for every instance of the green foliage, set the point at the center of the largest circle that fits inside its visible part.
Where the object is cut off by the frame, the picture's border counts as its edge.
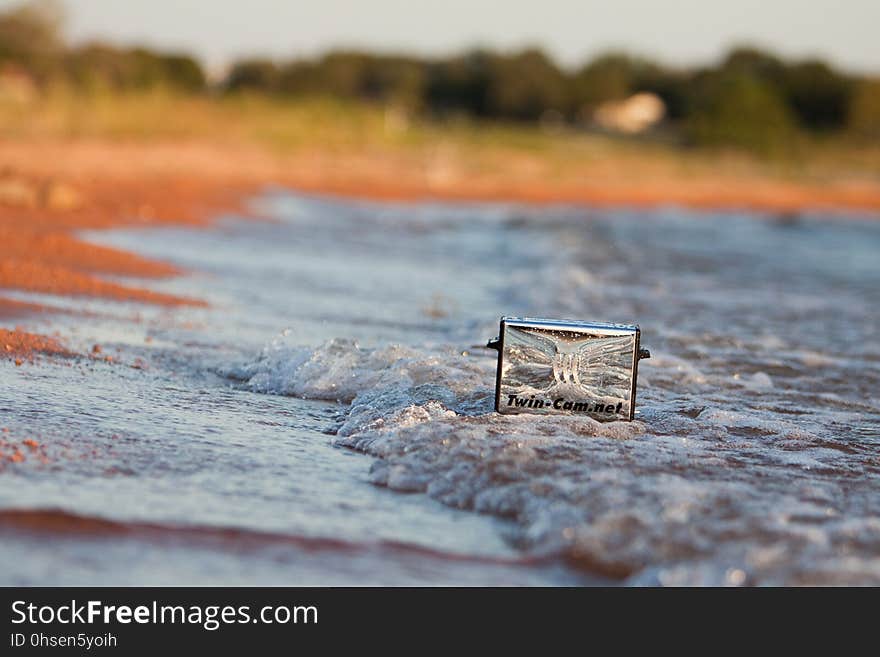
(672, 86)
(182, 72)
(98, 66)
(608, 77)
(31, 37)
(818, 95)
(615, 75)
(460, 84)
(253, 75)
(864, 117)
(752, 99)
(736, 109)
(524, 86)
(754, 63)
(349, 74)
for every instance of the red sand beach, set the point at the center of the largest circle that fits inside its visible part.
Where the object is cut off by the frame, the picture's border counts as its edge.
(48, 189)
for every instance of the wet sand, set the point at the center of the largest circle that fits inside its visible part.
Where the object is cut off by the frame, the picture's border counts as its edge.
(50, 189)
(47, 195)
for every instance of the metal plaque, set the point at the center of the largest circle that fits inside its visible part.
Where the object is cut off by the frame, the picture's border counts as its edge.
(569, 367)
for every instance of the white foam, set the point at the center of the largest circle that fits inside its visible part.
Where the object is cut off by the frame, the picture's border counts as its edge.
(734, 472)
(611, 495)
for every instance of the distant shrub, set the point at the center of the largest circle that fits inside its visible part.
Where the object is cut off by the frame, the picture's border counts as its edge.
(616, 76)
(253, 75)
(460, 84)
(673, 88)
(524, 86)
(818, 95)
(864, 115)
(521, 86)
(756, 63)
(182, 72)
(740, 110)
(611, 76)
(343, 74)
(31, 37)
(101, 66)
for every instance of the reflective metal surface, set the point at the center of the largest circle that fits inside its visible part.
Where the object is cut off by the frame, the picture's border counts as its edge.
(567, 367)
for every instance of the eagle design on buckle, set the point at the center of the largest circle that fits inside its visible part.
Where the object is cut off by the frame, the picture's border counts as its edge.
(568, 367)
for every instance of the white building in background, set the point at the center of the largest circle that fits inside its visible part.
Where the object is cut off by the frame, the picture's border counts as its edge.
(632, 115)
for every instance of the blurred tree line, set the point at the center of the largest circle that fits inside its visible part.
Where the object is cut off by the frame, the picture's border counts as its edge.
(32, 43)
(751, 99)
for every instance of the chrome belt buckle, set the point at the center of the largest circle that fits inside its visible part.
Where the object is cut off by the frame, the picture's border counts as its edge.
(567, 367)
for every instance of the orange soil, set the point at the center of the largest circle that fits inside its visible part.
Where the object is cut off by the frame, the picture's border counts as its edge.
(178, 181)
(47, 191)
(38, 253)
(773, 197)
(50, 188)
(19, 344)
(35, 276)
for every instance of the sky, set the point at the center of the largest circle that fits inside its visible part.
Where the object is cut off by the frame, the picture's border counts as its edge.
(680, 32)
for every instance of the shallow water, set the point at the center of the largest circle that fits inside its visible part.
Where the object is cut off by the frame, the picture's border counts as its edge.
(329, 418)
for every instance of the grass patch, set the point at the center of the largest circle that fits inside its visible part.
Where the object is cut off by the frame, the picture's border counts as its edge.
(338, 126)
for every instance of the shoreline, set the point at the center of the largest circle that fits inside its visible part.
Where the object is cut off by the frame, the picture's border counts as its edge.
(51, 188)
(772, 199)
(198, 172)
